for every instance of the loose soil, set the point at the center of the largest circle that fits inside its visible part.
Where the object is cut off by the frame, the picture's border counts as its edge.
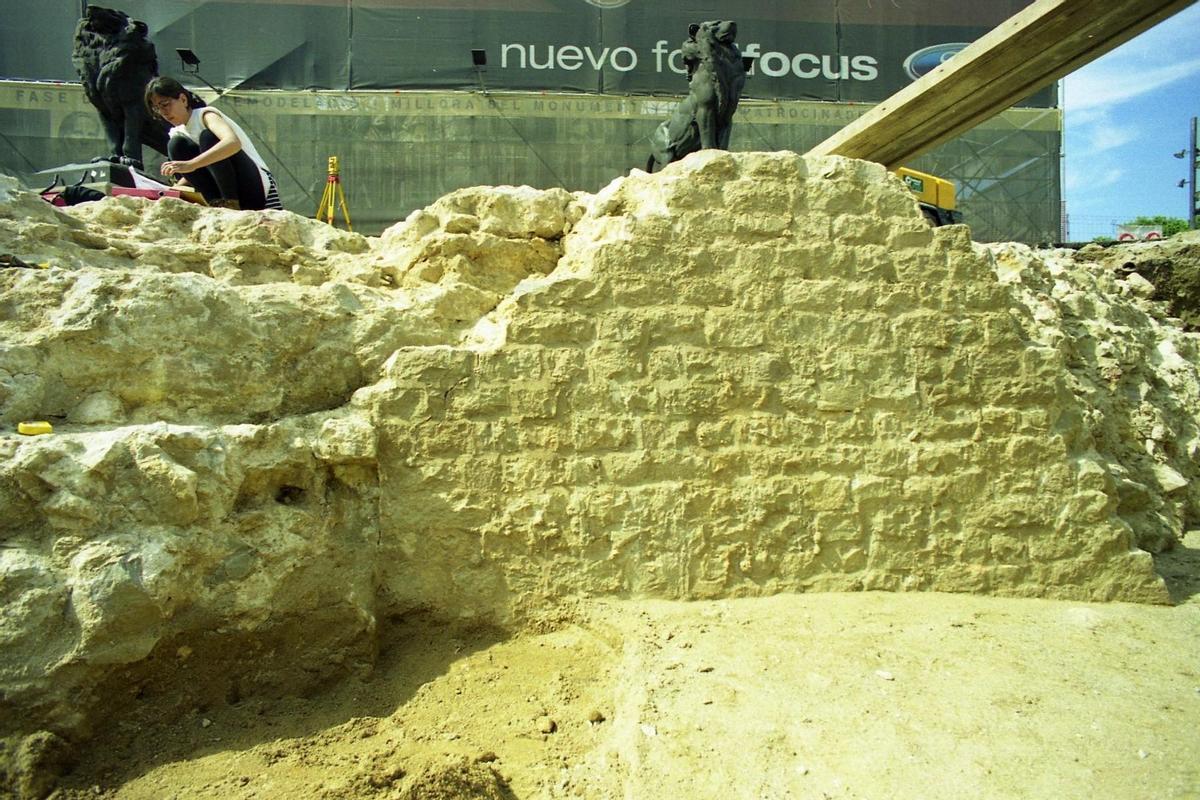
(1173, 266)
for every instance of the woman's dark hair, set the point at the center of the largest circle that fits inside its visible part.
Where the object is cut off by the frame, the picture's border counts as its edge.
(162, 86)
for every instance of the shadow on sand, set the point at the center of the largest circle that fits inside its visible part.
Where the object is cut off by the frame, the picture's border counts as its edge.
(172, 718)
(1180, 569)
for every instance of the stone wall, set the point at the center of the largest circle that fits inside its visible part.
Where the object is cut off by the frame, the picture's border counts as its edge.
(749, 375)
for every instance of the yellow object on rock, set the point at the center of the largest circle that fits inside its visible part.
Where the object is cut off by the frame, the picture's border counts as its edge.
(34, 428)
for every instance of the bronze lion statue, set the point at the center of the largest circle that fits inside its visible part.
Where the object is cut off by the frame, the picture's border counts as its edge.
(115, 60)
(704, 118)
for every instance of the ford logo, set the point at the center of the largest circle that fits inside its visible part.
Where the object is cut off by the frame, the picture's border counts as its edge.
(926, 59)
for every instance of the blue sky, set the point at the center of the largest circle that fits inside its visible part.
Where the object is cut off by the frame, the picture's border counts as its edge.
(1124, 116)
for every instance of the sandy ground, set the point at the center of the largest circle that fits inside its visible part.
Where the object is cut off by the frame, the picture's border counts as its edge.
(811, 696)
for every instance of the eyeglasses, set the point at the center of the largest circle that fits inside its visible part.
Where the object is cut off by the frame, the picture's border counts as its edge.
(159, 108)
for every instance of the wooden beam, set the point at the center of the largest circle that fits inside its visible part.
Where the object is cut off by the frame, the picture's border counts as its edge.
(1038, 45)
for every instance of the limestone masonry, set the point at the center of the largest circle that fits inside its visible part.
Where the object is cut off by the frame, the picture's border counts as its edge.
(748, 374)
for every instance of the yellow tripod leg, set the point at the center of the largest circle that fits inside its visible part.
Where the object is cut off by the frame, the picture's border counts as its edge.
(345, 208)
(325, 207)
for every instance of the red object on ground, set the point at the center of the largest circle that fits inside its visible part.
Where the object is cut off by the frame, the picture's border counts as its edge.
(149, 194)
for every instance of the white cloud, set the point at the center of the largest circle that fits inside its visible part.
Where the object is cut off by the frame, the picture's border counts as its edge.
(1138, 67)
(1176, 34)
(1102, 134)
(1109, 177)
(1085, 181)
(1106, 84)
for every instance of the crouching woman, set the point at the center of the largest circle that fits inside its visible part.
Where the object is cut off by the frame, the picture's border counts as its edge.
(211, 150)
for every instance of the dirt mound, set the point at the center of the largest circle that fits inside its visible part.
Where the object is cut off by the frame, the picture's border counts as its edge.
(1172, 266)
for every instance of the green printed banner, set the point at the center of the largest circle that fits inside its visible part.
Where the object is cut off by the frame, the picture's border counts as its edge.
(844, 50)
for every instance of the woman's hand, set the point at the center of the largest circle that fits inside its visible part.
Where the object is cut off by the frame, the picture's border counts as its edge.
(226, 146)
(177, 167)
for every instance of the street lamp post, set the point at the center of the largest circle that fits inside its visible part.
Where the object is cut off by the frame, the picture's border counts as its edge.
(1193, 161)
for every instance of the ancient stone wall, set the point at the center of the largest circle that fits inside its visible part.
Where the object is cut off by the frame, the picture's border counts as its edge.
(753, 375)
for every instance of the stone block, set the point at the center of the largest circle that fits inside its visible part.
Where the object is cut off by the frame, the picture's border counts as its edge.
(552, 329)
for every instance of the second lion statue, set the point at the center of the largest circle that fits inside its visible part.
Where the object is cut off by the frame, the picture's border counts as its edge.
(704, 118)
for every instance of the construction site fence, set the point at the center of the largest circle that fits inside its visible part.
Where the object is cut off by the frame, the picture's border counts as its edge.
(401, 150)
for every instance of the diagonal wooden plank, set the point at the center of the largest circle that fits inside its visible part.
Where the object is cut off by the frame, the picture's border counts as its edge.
(1038, 45)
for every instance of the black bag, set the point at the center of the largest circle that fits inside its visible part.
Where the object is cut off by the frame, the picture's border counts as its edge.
(74, 195)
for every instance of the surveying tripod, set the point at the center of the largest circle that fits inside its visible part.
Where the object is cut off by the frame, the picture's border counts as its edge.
(333, 195)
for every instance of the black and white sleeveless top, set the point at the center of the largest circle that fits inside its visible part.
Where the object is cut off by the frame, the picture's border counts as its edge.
(195, 124)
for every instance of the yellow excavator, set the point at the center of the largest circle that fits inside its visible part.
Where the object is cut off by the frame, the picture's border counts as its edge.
(934, 195)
